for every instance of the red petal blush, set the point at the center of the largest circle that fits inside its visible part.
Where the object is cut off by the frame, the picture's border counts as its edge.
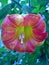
(32, 26)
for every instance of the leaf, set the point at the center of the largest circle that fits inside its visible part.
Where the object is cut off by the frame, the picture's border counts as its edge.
(48, 11)
(34, 2)
(42, 9)
(1, 22)
(25, 59)
(2, 49)
(4, 2)
(23, 2)
(43, 2)
(36, 10)
(6, 10)
(16, 10)
(26, 1)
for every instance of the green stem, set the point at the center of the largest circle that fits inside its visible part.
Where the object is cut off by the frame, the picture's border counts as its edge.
(46, 52)
(30, 7)
(29, 2)
(46, 60)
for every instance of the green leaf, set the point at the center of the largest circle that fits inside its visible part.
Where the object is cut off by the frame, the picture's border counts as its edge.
(23, 2)
(26, 1)
(34, 3)
(43, 2)
(2, 49)
(4, 2)
(48, 11)
(16, 11)
(6, 10)
(1, 22)
(17, 0)
(36, 10)
(42, 9)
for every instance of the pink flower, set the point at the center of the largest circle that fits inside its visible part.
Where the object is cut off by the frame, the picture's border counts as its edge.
(23, 33)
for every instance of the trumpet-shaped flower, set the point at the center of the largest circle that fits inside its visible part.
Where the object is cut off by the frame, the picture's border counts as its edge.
(23, 33)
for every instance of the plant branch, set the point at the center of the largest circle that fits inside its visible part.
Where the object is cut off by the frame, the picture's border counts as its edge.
(29, 3)
(17, 3)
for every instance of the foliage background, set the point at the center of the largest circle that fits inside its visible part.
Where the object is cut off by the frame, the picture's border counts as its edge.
(41, 54)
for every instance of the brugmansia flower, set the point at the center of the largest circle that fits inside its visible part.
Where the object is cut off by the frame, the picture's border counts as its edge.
(23, 33)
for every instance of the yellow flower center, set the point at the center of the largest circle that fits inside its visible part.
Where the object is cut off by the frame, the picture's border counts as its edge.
(24, 33)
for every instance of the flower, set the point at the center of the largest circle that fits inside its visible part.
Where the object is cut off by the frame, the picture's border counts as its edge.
(23, 33)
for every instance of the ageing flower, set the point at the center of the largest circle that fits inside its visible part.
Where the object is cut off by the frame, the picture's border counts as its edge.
(23, 33)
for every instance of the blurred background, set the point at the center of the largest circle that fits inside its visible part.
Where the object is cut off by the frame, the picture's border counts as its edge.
(41, 54)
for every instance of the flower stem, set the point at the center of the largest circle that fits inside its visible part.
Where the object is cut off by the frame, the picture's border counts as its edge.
(17, 3)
